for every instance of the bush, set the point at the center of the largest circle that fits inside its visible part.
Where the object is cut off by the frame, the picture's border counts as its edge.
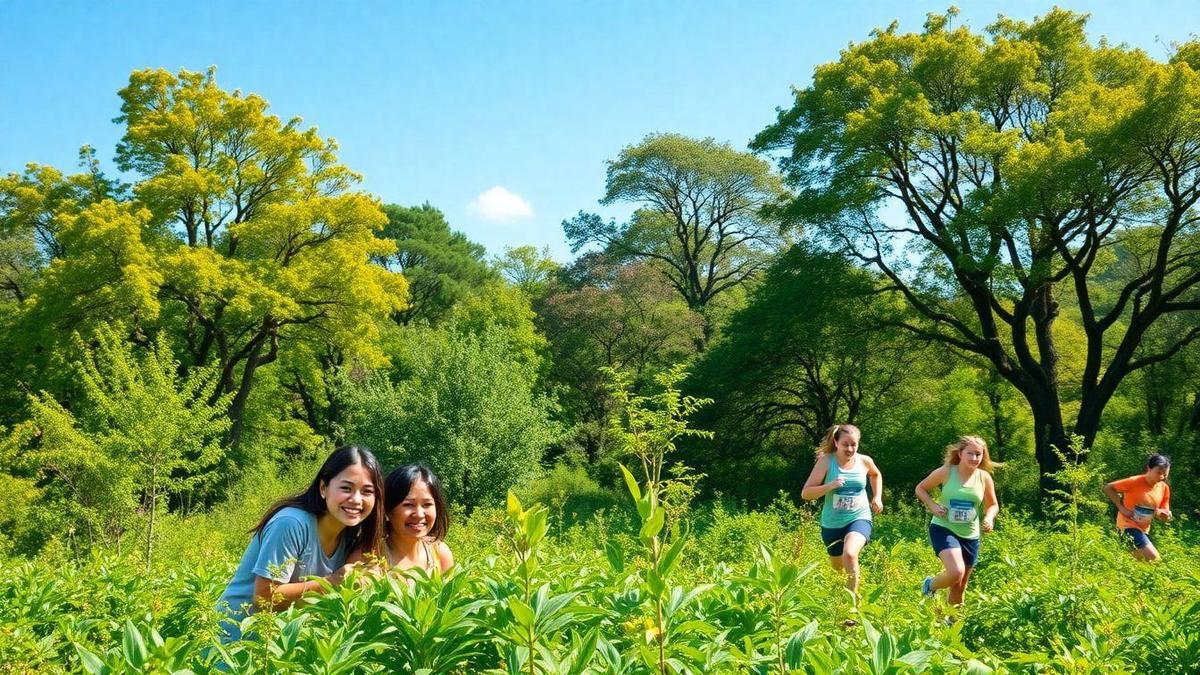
(570, 493)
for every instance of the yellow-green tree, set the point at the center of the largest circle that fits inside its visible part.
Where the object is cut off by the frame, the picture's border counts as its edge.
(244, 235)
(1023, 171)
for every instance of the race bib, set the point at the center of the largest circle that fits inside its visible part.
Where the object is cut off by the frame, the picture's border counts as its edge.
(1143, 514)
(961, 511)
(848, 502)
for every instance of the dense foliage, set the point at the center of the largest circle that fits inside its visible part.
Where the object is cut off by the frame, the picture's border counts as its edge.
(750, 590)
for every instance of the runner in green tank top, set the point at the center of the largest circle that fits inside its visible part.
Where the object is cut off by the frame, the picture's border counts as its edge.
(841, 476)
(966, 506)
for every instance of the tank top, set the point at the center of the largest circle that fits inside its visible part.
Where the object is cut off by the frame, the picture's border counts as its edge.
(962, 502)
(430, 561)
(848, 503)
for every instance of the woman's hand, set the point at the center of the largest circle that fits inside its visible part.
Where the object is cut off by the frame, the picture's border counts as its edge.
(988, 524)
(939, 510)
(876, 505)
(339, 575)
(1163, 514)
(835, 483)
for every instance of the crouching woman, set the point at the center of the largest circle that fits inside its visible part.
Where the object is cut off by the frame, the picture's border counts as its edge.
(308, 535)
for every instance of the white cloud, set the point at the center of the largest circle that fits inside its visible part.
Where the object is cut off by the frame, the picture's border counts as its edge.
(500, 205)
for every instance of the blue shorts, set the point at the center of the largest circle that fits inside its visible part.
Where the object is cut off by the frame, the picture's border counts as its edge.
(1136, 537)
(942, 539)
(835, 537)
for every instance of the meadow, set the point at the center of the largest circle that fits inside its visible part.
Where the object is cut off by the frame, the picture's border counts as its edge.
(549, 590)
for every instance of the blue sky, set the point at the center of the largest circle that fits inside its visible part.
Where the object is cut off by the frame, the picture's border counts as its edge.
(444, 101)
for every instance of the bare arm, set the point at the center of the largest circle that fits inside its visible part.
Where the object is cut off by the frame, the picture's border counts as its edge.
(934, 479)
(813, 488)
(875, 478)
(276, 595)
(1164, 507)
(1110, 491)
(271, 593)
(991, 505)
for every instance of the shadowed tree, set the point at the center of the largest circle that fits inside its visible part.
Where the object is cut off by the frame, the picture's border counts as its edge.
(625, 317)
(803, 355)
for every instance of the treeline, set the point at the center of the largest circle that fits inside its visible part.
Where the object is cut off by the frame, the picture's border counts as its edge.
(948, 232)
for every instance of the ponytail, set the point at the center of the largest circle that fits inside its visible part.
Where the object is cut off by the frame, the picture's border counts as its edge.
(829, 444)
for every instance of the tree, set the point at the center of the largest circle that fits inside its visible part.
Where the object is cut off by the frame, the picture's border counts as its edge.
(1019, 169)
(139, 435)
(623, 317)
(442, 266)
(463, 405)
(528, 269)
(32, 205)
(443, 269)
(36, 206)
(698, 216)
(244, 234)
(802, 355)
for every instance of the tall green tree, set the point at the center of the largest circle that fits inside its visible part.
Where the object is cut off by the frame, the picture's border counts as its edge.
(442, 266)
(991, 177)
(624, 317)
(459, 401)
(699, 206)
(528, 269)
(803, 354)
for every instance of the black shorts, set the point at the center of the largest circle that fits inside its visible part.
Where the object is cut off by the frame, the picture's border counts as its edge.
(1136, 537)
(942, 539)
(835, 537)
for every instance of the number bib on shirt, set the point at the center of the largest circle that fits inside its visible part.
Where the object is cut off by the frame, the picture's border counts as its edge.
(961, 511)
(1143, 514)
(852, 501)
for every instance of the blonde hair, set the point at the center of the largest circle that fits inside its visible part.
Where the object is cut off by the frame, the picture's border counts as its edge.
(829, 444)
(954, 452)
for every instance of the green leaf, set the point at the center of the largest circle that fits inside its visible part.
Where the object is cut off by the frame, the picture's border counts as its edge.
(794, 653)
(585, 652)
(615, 554)
(90, 661)
(514, 507)
(536, 525)
(652, 526)
(133, 646)
(632, 484)
(672, 555)
(919, 659)
(976, 667)
(522, 612)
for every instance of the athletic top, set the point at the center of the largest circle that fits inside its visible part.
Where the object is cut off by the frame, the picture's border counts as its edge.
(848, 503)
(1139, 497)
(962, 502)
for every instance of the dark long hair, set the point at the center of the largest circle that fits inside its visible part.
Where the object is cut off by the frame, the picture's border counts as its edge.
(400, 481)
(367, 534)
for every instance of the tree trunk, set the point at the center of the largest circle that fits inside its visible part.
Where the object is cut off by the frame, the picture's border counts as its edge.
(153, 512)
(1049, 434)
(237, 408)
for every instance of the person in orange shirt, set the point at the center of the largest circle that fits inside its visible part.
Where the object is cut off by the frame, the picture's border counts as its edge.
(1140, 499)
